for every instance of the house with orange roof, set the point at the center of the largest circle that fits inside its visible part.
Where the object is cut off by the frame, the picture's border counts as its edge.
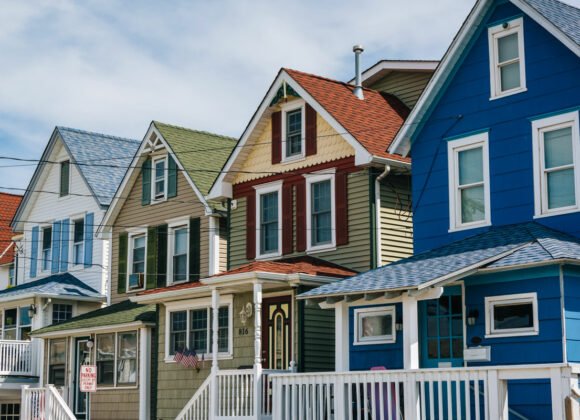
(8, 205)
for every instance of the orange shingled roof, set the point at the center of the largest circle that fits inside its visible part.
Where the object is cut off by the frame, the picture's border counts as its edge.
(8, 205)
(373, 121)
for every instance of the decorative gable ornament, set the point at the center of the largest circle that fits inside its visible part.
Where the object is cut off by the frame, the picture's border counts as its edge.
(283, 93)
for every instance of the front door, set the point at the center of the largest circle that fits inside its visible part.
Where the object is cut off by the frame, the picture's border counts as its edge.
(441, 327)
(82, 357)
(277, 332)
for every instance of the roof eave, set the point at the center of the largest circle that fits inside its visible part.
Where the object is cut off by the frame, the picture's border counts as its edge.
(92, 330)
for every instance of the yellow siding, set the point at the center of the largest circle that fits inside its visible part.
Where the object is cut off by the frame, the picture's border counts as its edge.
(115, 404)
(396, 219)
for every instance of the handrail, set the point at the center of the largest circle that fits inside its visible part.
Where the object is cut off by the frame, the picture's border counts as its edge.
(57, 408)
(197, 408)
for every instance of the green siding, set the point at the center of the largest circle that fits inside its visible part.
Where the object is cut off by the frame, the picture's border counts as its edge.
(407, 86)
(396, 218)
(318, 339)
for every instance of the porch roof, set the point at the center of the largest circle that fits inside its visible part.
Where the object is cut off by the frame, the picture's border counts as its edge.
(499, 247)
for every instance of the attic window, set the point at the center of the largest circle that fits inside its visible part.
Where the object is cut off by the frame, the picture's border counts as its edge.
(506, 58)
(159, 184)
(64, 178)
(293, 131)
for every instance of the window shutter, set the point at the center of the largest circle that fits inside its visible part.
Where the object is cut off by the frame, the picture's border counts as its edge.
(64, 241)
(34, 252)
(301, 216)
(122, 264)
(89, 232)
(251, 225)
(276, 137)
(151, 274)
(310, 131)
(55, 251)
(287, 216)
(146, 181)
(161, 256)
(341, 185)
(171, 177)
(194, 249)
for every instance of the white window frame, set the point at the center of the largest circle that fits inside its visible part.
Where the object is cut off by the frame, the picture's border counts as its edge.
(287, 108)
(72, 236)
(494, 34)
(41, 249)
(453, 149)
(522, 298)
(116, 360)
(203, 303)
(153, 179)
(18, 322)
(539, 127)
(261, 190)
(361, 313)
(131, 236)
(172, 226)
(314, 178)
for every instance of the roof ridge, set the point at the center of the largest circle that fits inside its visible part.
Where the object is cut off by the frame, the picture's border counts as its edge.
(345, 84)
(94, 133)
(196, 131)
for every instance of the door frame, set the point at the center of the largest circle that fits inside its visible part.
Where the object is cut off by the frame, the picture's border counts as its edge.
(75, 377)
(285, 296)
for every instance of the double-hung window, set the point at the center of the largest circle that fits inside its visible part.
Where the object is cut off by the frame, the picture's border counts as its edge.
(506, 56)
(556, 157)
(511, 315)
(178, 253)
(320, 222)
(64, 178)
(293, 131)
(11, 275)
(17, 324)
(56, 362)
(137, 263)
(46, 247)
(117, 358)
(159, 184)
(468, 166)
(78, 241)
(268, 209)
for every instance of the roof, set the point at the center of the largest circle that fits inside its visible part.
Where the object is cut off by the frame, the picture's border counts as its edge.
(562, 15)
(8, 205)
(63, 285)
(202, 154)
(120, 313)
(506, 246)
(383, 68)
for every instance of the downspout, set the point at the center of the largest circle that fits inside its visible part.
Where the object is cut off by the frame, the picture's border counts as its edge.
(378, 180)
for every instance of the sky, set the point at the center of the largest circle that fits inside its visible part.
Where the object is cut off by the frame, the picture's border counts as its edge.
(113, 66)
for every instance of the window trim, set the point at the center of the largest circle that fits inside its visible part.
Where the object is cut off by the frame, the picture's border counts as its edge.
(261, 190)
(360, 313)
(154, 160)
(171, 227)
(115, 385)
(72, 236)
(492, 301)
(494, 34)
(131, 236)
(540, 126)
(18, 325)
(71, 304)
(287, 108)
(453, 148)
(60, 194)
(48, 364)
(315, 178)
(41, 249)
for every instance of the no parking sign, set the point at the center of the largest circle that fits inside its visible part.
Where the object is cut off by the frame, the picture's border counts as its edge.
(88, 378)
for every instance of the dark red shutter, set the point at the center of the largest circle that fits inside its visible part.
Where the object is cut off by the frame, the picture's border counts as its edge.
(341, 208)
(287, 246)
(301, 216)
(277, 137)
(310, 131)
(251, 225)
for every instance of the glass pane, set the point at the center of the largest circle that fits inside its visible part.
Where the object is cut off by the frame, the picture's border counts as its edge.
(159, 169)
(470, 166)
(177, 331)
(25, 333)
(432, 350)
(444, 305)
(432, 327)
(376, 325)
(180, 268)
(507, 47)
(199, 330)
(445, 350)
(432, 307)
(10, 334)
(79, 230)
(321, 228)
(457, 326)
(127, 358)
(513, 316)
(510, 76)
(321, 196)
(294, 132)
(46, 238)
(269, 206)
(128, 345)
(181, 241)
(457, 348)
(456, 305)
(105, 347)
(24, 318)
(472, 204)
(78, 252)
(139, 242)
(57, 352)
(223, 332)
(10, 317)
(444, 327)
(558, 148)
(561, 189)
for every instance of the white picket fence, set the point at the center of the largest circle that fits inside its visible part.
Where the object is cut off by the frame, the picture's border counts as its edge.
(44, 404)
(16, 358)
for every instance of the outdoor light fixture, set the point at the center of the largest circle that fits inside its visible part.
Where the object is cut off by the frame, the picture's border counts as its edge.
(246, 313)
(31, 310)
(472, 317)
(90, 343)
(399, 325)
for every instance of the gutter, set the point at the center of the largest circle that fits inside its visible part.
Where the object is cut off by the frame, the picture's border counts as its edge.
(46, 295)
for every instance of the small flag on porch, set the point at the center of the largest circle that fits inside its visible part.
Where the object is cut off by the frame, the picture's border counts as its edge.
(190, 359)
(178, 356)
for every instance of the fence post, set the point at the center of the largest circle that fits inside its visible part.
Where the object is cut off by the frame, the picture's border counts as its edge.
(498, 396)
(339, 402)
(24, 403)
(411, 398)
(561, 385)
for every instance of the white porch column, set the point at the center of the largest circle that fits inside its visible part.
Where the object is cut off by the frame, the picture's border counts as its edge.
(257, 350)
(144, 372)
(214, 398)
(342, 363)
(410, 333)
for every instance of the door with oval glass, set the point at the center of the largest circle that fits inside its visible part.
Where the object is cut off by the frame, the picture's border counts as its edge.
(277, 332)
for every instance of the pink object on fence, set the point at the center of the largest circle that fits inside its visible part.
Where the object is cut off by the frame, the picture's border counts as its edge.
(385, 408)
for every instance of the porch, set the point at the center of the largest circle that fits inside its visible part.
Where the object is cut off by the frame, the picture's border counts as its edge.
(17, 358)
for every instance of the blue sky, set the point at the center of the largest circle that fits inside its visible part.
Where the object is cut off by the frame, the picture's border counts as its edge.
(113, 66)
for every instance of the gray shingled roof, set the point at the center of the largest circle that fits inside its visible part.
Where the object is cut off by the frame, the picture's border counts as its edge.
(562, 15)
(63, 285)
(102, 159)
(499, 247)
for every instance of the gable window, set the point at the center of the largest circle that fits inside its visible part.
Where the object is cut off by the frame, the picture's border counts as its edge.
(117, 358)
(61, 312)
(178, 253)
(159, 184)
(374, 325)
(46, 247)
(320, 201)
(56, 362)
(556, 176)
(79, 240)
(506, 56)
(468, 166)
(11, 275)
(64, 178)
(137, 261)
(293, 131)
(511, 315)
(269, 216)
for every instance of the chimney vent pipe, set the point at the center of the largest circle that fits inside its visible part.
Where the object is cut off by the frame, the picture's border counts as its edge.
(358, 90)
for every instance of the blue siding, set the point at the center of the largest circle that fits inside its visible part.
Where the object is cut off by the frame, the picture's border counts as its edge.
(551, 88)
(367, 356)
(572, 312)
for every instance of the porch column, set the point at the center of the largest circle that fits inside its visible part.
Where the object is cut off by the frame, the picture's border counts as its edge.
(342, 363)
(410, 333)
(257, 349)
(214, 398)
(144, 373)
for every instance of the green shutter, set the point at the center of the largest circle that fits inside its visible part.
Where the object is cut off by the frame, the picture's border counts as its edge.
(151, 275)
(146, 179)
(194, 249)
(161, 256)
(171, 177)
(122, 274)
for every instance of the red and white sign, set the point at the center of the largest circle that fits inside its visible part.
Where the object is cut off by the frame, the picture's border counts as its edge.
(88, 378)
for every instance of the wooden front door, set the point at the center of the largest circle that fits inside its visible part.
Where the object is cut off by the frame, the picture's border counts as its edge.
(277, 332)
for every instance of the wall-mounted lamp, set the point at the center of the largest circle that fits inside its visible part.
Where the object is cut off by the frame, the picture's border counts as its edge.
(472, 317)
(31, 310)
(90, 343)
(246, 313)
(399, 325)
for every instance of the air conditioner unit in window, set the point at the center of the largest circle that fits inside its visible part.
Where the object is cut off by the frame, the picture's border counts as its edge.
(136, 281)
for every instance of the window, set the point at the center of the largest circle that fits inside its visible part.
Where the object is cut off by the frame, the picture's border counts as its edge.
(320, 222)
(127, 358)
(506, 57)
(56, 362)
(137, 263)
(269, 215)
(17, 325)
(374, 325)
(9, 411)
(293, 131)
(11, 275)
(24, 323)
(105, 359)
(511, 315)
(556, 177)
(198, 333)
(178, 254)
(61, 312)
(78, 238)
(46, 247)
(178, 332)
(117, 358)
(64, 178)
(468, 182)
(159, 184)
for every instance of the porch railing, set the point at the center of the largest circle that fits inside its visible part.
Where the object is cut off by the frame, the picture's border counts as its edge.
(44, 404)
(17, 358)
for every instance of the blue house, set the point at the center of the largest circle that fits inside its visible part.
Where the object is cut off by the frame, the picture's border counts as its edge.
(485, 317)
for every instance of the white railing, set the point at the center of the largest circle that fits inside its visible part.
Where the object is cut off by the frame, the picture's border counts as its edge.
(44, 404)
(16, 358)
(197, 407)
(267, 392)
(235, 393)
(462, 393)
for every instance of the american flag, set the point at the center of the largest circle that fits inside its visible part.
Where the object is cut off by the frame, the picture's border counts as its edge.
(190, 359)
(178, 357)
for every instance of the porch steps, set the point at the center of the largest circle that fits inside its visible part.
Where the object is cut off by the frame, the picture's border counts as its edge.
(197, 408)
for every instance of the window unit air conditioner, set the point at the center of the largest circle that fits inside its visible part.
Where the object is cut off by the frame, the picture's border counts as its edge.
(136, 281)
